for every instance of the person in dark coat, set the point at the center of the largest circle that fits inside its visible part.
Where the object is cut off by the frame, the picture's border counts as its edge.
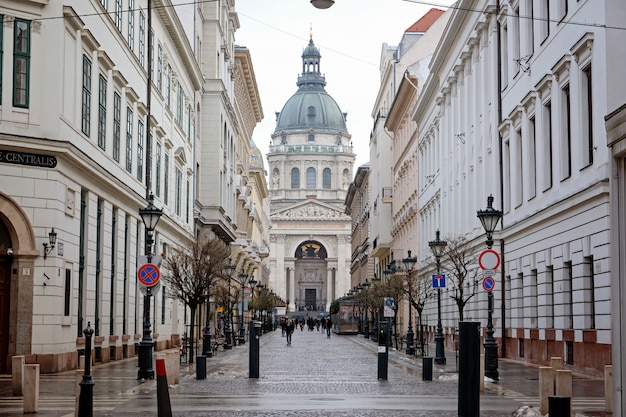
(289, 328)
(329, 326)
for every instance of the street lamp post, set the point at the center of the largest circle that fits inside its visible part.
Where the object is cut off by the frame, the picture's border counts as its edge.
(150, 217)
(252, 283)
(409, 263)
(206, 337)
(366, 330)
(438, 246)
(489, 219)
(242, 331)
(228, 328)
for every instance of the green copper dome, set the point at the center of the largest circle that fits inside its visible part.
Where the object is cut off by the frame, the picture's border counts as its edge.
(311, 107)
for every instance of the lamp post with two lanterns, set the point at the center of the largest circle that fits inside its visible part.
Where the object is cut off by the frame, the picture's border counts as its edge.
(438, 246)
(489, 219)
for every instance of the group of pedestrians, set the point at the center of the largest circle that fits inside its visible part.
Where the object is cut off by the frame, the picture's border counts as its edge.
(289, 325)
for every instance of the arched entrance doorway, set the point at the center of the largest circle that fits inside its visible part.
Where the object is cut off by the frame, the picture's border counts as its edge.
(6, 252)
(311, 276)
(17, 255)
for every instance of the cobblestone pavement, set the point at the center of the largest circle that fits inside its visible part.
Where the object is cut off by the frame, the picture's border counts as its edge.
(314, 376)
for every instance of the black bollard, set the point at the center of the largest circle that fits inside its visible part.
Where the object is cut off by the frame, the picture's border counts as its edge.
(200, 367)
(427, 368)
(383, 351)
(164, 407)
(559, 406)
(253, 364)
(469, 369)
(85, 399)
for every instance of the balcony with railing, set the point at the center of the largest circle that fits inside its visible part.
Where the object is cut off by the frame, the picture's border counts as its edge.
(310, 149)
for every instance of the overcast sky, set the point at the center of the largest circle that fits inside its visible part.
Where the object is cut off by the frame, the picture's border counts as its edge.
(349, 36)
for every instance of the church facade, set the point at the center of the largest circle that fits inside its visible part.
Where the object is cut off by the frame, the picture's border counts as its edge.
(310, 162)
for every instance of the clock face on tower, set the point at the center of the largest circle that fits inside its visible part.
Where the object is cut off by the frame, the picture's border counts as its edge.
(311, 250)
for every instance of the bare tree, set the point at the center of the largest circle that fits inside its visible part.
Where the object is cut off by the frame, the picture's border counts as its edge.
(418, 289)
(191, 273)
(459, 256)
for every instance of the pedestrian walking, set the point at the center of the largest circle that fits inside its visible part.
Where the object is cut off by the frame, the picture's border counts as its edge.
(329, 325)
(289, 328)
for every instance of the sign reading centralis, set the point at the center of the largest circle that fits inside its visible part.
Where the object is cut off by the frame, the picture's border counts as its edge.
(30, 159)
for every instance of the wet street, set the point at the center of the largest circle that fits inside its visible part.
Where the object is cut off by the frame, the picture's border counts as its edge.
(314, 376)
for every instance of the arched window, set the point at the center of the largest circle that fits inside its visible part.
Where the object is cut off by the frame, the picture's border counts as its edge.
(326, 179)
(295, 178)
(310, 178)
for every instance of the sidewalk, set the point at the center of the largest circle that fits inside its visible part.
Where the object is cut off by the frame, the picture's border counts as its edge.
(116, 384)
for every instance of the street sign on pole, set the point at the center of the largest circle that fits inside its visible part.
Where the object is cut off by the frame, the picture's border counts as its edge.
(489, 259)
(148, 275)
(389, 307)
(489, 283)
(439, 280)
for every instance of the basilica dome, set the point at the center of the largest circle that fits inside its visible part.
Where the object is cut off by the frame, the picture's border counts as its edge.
(311, 107)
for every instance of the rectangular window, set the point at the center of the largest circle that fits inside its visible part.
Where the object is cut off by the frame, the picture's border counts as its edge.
(550, 297)
(118, 14)
(506, 160)
(532, 159)
(157, 179)
(160, 68)
(151, 54)
(504, 51)
(131, 24)
(568, 296)
(519, 169)
(189, 123)
(117, 126)
(587, 116)
(67, 296)
(140, 133)
(563, 8)
(102, 111)
(187, 201)
(179, 105)
(168, 86)
(86, 114)
(142, 39)
(590, 290)
(1, 51)
(516, 38)
(129, 139)
(547, 146)
(179, 189)
(21, 63)
(166, 179)
(566, 132)
(545, 18)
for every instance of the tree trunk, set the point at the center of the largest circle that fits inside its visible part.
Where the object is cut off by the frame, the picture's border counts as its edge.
(192, 333)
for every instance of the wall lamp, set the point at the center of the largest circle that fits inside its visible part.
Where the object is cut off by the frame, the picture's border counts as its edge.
(322, 4)
(47, 247)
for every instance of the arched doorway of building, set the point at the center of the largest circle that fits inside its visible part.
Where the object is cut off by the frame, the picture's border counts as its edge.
(6, 252)
(311, 277)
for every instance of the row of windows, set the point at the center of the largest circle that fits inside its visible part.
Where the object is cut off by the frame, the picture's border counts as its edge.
(134, 138)
(558, 132)
(161, 67)
(311, 178)
(21, 61)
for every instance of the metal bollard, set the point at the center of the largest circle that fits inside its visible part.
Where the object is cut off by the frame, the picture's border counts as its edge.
(200, 367)
(253, 361)
(85, 399)
(427, 368)
(559, 406)
(469, 369)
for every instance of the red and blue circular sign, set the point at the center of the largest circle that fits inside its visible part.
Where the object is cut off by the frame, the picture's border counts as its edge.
(148, 275)
(489, 283)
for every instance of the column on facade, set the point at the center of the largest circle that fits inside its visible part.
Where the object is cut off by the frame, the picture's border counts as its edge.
(329, 287)
(291, 272)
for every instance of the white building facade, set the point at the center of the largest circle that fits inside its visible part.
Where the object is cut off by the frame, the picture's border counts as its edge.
(74, 159)
(513, 109)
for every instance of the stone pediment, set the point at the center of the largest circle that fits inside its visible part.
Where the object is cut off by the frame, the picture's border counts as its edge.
(310, 211)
